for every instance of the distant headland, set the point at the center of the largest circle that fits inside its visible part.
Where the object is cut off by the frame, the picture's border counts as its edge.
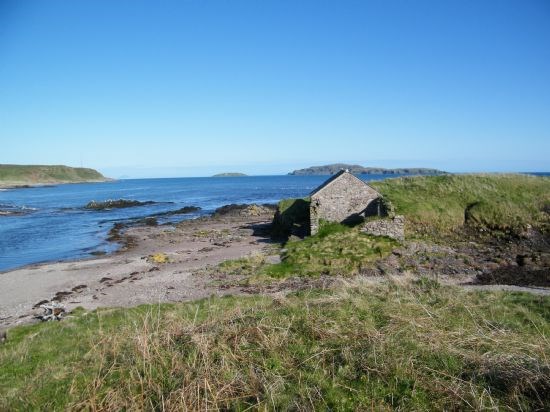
(38, 175)
(230, 174)
(361, 170)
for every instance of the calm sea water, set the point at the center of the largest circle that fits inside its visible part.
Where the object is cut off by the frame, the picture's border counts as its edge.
(59, 228)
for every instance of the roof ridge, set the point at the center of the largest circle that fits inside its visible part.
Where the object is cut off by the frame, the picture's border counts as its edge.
(336, 176)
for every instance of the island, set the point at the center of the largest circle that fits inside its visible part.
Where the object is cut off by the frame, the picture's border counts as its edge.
(230, 174)
(15, 176)
(361, 170)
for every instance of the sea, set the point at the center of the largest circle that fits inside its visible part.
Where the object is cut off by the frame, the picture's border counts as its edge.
(54, 224)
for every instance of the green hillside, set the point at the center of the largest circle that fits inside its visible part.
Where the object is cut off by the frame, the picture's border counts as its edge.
(505, 202)
(21, 175)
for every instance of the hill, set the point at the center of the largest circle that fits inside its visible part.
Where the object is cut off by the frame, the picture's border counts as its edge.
(361, 170)
(501, 202)
(229, 174)
(35, 175)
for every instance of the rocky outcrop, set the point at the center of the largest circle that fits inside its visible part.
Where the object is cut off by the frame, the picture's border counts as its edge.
(116, 204)
(245, 210)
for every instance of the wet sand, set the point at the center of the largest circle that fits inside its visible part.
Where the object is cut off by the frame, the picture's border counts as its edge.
(130, 277)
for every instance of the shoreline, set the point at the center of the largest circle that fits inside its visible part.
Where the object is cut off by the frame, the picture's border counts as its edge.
(13, 186)
(130, 276)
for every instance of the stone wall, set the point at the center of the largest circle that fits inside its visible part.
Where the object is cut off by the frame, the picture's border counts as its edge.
(344, 199)
(391, 227)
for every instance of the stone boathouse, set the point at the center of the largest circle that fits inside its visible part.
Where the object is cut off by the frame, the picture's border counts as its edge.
(342, 198)
(347, 199)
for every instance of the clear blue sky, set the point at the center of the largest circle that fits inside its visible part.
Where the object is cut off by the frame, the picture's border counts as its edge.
(193, 87)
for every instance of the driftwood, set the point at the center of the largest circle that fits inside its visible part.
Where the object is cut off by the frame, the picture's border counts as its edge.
(52, 311)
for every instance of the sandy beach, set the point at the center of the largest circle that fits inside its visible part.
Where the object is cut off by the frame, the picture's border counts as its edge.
(131, 277)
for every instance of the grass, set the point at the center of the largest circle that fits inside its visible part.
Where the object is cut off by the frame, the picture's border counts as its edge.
(408, 346)
(505, 203)
(335, 250)
(39, 174)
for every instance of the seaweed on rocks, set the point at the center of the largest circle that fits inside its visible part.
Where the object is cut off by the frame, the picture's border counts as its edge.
(116, 204)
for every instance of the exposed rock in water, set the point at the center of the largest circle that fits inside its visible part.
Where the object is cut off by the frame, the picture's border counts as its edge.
(245, 210)
(182, 211)
(11, 213)
(116, 204)
(11, 210)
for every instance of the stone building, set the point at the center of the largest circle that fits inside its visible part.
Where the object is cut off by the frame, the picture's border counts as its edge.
(343, 198)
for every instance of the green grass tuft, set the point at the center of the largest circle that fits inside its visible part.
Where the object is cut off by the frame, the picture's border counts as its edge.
(335, 250)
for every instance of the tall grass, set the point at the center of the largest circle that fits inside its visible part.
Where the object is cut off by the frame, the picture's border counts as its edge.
(503, 202)
(413, 346)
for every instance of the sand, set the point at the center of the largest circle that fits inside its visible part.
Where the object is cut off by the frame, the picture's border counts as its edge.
(129, 277)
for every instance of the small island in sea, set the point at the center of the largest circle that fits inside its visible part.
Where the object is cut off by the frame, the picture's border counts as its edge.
(361, 170)
(14, 176)
(230, 174)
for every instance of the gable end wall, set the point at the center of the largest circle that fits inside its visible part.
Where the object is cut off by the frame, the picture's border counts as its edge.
(345, 197)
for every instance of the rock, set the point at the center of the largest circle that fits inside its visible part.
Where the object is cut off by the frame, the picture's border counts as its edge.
(245, 210)
(3, 336)
(115, 204)
(182, 211)
(51, 311)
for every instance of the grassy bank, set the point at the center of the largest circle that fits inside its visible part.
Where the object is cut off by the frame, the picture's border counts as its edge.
(501, 202)
(414, 345)
(441, 204)
(14, 175)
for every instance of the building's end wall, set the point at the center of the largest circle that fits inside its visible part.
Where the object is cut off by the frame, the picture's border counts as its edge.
(342, 200)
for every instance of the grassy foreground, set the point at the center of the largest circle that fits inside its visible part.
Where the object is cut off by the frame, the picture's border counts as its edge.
(408, 345)
(12, 175)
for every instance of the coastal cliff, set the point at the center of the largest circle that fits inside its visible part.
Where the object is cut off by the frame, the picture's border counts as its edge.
(361, 170)
(36, 175)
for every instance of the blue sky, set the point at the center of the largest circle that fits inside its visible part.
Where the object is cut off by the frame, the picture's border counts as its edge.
(192, 87)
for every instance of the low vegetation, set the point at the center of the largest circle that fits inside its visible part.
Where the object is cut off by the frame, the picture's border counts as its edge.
(411, 345)
(15, 175)
(335, 250)
(506, 203)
